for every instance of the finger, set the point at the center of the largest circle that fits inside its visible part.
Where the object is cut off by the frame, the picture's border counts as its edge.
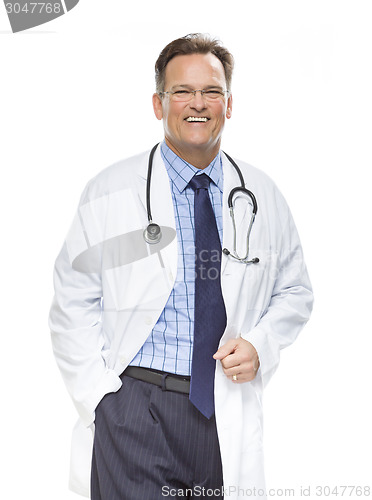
(225, 349)
(234, 359)
(244, 372)
(234, 370)
(240, 378)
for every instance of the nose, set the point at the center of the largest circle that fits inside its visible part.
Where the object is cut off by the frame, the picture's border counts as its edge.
(198, 101)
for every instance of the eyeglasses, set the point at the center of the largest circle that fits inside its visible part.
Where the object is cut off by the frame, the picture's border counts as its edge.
(187, 95)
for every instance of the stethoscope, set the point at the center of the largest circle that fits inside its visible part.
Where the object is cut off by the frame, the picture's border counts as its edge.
(152, 233)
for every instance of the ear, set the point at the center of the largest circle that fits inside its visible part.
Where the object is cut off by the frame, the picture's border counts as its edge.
(158, 106)
(229, 107)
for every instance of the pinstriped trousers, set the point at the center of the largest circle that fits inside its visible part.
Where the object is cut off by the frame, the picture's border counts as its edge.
(152, 444)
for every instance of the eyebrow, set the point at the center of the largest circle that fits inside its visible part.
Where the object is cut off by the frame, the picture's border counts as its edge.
(188, 87)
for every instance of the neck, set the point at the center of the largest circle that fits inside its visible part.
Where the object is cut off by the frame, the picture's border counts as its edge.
(199, 158)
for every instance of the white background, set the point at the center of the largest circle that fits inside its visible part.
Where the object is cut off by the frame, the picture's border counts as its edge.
(76, 96)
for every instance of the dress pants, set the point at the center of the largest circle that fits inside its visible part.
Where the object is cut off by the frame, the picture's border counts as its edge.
(151, 444)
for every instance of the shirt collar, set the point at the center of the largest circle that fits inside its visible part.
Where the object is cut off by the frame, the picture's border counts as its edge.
(180, 172)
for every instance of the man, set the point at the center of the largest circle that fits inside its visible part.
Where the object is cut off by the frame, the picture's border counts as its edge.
(137, 313)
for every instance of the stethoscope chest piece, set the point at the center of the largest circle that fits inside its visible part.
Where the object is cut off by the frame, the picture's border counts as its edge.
(152, 233)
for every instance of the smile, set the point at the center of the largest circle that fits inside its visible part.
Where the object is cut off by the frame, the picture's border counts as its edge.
(197, 119)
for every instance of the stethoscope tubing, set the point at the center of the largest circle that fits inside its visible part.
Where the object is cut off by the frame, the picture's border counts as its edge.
(152, 233)
(148, 184)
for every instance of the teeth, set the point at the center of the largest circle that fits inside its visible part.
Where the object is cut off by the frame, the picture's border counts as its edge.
(195, 119)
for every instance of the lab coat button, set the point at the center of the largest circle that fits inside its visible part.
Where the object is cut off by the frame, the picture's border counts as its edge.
(123, 360)
(148, 320)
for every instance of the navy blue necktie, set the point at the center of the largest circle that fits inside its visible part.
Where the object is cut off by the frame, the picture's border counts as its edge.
(210, 314)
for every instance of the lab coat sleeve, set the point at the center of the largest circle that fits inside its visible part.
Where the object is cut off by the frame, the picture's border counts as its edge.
(291, 299)
(74, 320)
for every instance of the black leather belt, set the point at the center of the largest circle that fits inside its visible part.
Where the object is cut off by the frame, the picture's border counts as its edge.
(167, 381)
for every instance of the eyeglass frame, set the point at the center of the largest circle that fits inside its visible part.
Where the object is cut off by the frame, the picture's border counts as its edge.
(193, 93)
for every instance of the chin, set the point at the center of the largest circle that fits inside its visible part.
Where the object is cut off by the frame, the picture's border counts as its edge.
(199, 141)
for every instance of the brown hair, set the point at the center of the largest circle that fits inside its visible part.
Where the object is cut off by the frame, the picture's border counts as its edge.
(194, 43)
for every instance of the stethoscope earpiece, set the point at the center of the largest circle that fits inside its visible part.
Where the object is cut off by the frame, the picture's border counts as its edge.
(256, 260)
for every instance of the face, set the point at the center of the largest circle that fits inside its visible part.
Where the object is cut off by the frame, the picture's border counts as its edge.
(191, 72)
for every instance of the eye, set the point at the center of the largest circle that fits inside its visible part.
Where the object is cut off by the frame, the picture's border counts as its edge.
(213, 93)
(181, 92)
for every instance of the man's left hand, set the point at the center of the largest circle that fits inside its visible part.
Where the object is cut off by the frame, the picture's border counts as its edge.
(239, 360)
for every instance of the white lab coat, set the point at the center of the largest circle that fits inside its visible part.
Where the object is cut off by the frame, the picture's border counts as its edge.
(105, 256)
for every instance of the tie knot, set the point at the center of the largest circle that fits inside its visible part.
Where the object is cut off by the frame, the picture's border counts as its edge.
(199, 182)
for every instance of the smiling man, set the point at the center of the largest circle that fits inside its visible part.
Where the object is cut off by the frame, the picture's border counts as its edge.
(194, 119)
(165, 337)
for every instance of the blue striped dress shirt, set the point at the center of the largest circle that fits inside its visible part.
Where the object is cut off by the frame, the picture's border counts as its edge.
(169, 345)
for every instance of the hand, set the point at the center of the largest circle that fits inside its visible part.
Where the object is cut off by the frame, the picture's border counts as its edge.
(240, 359)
